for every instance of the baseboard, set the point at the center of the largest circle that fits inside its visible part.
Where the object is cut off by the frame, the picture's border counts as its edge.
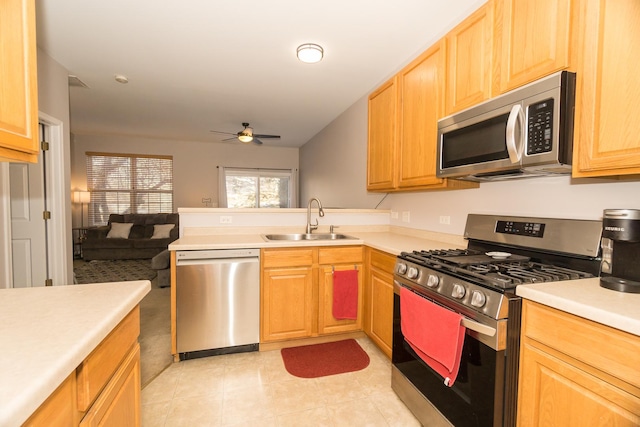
(310, 341)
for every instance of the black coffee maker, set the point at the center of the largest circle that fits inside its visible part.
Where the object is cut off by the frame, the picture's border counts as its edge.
(620, 267)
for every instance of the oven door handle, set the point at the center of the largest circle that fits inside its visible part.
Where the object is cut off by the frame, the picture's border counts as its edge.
(478, 327)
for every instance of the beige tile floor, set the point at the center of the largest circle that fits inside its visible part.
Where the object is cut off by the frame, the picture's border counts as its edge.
(254, 389)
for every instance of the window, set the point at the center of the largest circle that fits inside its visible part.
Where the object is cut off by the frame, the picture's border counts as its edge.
(128, 183)
(257, 188)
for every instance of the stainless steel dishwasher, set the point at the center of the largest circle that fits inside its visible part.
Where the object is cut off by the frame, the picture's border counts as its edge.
(217, 301)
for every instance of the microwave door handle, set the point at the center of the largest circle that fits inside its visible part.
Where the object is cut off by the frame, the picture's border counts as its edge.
(514, 134)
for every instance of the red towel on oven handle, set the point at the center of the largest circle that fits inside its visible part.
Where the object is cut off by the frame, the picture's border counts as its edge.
(345, 294)
(435, 334)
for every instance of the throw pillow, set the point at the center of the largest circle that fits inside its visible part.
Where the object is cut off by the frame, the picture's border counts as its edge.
(162, 231)
(119, 230)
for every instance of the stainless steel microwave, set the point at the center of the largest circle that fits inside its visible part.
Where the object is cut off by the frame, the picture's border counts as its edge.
(523, 133)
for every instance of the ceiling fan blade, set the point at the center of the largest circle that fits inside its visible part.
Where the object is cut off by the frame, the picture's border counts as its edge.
(224, 133)
(256, 141)
(265, 136)
(229, 139)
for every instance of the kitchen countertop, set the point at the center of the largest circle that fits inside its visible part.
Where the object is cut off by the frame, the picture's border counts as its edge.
(390, 242)
(586, 298)
(47, 332)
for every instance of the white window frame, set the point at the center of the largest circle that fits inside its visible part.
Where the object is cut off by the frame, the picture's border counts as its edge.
(223, 171)
(131, 189)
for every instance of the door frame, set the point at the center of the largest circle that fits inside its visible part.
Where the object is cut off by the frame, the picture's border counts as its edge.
(58, 202)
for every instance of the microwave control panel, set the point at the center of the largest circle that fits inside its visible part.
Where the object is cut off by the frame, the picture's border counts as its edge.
(540, 127)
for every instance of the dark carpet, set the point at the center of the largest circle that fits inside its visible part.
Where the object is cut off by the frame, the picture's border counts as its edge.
(319, 360)
(113, 271)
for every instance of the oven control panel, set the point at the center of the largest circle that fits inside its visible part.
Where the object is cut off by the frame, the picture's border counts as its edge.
(531, 229)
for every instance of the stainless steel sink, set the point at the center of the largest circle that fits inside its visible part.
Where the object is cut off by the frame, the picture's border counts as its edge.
(309, 236)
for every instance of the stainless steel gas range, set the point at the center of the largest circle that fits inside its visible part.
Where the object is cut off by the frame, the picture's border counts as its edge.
(479, 284)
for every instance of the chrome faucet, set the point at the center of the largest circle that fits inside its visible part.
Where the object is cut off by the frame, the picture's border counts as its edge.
(311, 227)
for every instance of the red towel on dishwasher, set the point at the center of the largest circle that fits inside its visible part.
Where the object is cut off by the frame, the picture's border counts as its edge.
(345, 294)
(435, 333)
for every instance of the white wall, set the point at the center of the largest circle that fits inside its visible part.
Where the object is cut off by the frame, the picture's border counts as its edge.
(333, 164)
(194, 163)
(334, 168)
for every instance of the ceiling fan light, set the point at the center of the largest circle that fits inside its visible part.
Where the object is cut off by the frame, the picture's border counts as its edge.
(310, 53)
(245, 138)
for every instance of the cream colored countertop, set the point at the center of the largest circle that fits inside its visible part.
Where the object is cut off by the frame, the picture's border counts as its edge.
(45, 333)
(391, 242)
(586, 298)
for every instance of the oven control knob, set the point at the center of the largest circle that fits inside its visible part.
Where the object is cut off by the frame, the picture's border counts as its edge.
(412, 273)
(478, 299)
(433, 281)
(458, 291)
(402, 268)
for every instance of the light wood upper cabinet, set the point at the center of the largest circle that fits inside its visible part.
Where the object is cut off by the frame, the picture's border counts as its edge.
(470, 61)
(420, 85)
(18, 82)
(576, 372)
(607, 106)
(381, 149)
(403, 128)
(534, 39)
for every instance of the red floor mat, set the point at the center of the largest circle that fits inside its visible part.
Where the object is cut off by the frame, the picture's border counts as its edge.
(319, 360)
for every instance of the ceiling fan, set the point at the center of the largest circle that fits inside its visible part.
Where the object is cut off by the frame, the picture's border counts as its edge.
(246, 135)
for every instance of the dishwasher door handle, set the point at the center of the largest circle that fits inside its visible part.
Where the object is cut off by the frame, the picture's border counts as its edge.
(214, 261)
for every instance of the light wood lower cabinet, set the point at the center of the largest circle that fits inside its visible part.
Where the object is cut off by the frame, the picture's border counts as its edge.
(105, 389)
(287, 303)
(576, 372)
(297, 292)
(379, 299)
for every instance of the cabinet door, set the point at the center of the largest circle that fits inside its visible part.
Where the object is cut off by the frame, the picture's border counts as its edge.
(287, 303)
(470, 61)
(420, 85)
(382, 133)
(18, 82)
(119, 403)
(535, 37)
(381, 310)
(327, 324)
(553, 392)
(606, 139)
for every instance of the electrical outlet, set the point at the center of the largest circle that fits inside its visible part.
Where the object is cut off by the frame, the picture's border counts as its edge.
(225, 219)
(445, 219)
(394, 215)
(406, 216)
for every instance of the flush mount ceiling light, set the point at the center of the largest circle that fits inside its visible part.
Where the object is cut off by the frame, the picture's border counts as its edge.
(310, 53)
(121, 79)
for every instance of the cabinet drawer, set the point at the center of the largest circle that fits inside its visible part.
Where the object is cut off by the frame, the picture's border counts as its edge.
(610, 350)
(286, 257)
(119, 404)
(382, 260)
(340, 255)
(96, 370)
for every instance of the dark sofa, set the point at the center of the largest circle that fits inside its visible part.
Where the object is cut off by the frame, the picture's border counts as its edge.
(138, 244)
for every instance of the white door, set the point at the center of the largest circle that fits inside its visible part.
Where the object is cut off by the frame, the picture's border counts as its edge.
(28, 227)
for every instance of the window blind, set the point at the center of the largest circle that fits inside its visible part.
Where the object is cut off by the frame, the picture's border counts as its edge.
(128, 183)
